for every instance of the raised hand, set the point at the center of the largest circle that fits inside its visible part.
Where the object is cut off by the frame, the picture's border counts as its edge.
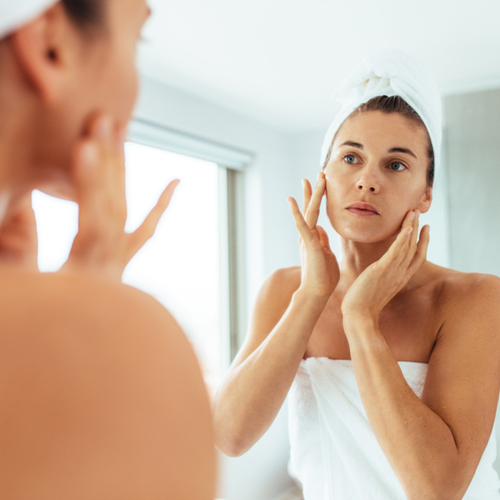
(102, 245)
(381, 281)
(320, 270)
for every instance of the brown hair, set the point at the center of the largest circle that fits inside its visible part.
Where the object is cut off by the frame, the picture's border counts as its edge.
(86, 13)
(396, 104)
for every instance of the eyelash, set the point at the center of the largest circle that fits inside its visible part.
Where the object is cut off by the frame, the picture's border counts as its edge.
(392, 163)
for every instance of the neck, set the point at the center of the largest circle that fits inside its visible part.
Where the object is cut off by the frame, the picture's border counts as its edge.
(356, 257)
(30, 144)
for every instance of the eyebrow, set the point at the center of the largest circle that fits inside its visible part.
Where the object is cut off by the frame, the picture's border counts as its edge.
(392, 150)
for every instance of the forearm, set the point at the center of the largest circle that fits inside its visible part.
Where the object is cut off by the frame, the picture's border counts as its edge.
(418, 444)
(252, 393)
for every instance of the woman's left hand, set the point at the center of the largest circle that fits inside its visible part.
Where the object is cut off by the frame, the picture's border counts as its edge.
(381, 281)
(102, 245)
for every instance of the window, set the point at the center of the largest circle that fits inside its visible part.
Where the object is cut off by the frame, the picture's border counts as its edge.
(189, 265)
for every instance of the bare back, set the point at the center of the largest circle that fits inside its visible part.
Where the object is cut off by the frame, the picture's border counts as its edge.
(102, 396)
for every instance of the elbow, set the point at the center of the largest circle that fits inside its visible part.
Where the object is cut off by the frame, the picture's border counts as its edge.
(231, 436)
(231, 447)
(229, 440)
(440, 490)
(437, 494)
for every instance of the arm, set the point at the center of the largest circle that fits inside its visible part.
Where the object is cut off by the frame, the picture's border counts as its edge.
(258, 382)
(287, 310)
(102, 395)
(434, 445)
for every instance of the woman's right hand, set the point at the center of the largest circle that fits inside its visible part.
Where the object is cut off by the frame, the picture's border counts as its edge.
(320, 269)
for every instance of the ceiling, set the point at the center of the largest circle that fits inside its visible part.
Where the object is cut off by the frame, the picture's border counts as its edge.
(279, 60)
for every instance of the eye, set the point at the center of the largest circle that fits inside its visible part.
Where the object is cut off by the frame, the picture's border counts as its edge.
(350, 159)
(397, 166)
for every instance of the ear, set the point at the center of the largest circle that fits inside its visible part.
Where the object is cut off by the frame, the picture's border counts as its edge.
(425, 202)
(41, 49)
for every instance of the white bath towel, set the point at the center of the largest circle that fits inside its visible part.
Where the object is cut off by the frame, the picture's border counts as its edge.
(15, 13)
(334, 452)
(391, 72)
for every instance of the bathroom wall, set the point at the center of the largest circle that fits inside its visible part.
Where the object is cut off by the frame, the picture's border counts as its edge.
(472, 124)
(472, 130)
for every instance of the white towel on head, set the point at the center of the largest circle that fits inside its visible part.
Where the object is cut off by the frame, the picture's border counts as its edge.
(15, 13)
(391, 72)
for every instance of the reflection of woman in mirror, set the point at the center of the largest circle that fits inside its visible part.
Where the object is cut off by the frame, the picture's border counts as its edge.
(394, 361)
(102, 396)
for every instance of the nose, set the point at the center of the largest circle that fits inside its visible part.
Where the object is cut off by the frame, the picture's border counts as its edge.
(368, 180)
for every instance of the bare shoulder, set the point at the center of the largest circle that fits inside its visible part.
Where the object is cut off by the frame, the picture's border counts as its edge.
(469, 311)
(271, 304)
(279, 287)
(98, 377)
(85, 305)
(463, 291)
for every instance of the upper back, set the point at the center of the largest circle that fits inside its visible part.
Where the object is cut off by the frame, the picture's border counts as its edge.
(102, 396)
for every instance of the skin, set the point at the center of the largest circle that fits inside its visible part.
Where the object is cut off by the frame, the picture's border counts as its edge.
(382, 303)
(88, 409)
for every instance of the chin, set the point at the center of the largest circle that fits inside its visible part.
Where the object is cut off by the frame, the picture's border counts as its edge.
(363, 230)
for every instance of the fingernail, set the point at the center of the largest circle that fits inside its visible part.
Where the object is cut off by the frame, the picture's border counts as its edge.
(89, 155)
(412, 216)
(104, 126)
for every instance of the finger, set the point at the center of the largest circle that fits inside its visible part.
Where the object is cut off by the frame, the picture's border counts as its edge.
(93, 225)
(408, 222)
(323, 237)
(86, 175)
(312, 214)
(107, 134)
(148, 228)
(397, 251)
(307, 190)
(300, 223)
(421, 253)
(412, 241)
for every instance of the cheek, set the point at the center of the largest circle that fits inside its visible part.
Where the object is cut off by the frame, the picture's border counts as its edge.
(123, 85)
(335, 194)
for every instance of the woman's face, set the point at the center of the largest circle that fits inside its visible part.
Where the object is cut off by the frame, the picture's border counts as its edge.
(380, 160)
(108, 80)
(96, 74)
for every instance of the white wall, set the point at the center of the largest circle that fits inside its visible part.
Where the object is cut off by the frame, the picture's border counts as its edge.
(271, 243)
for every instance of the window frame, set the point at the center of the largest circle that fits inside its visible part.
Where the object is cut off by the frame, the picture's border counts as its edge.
(231, 181)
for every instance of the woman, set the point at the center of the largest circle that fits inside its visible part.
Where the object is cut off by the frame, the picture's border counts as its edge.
(394, 361)
(91, 405)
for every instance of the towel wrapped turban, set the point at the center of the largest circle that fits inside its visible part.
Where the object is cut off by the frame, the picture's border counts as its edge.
(15, 13)
(391, 73)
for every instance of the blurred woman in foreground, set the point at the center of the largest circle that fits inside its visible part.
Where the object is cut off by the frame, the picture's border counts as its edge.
(102, 396)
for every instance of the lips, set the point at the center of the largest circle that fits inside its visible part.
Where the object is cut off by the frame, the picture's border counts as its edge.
(362, 209)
